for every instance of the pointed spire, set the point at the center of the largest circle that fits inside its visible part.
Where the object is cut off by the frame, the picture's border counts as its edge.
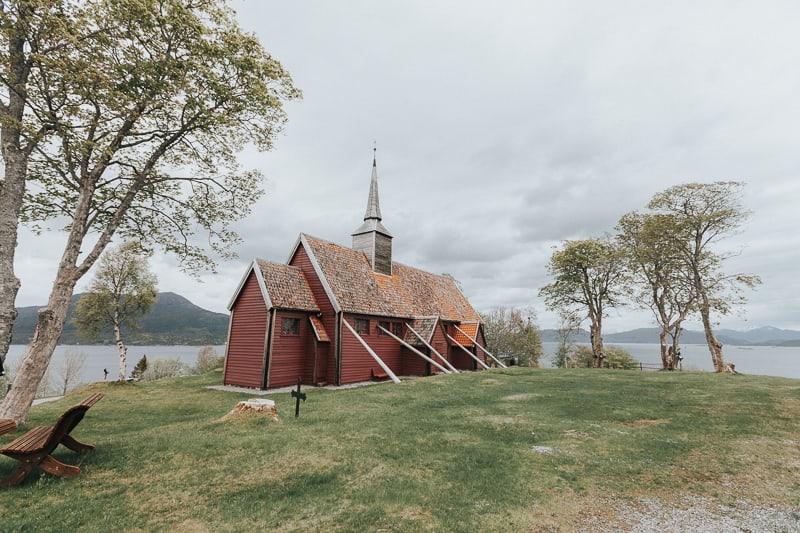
(373, 203)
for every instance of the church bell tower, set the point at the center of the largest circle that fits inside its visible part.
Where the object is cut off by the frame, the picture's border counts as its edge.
(372, 237)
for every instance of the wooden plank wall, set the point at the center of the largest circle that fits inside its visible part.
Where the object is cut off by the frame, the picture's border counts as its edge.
(288, 356)
(357, 363)
(244, 364)
(302, 261)
(458, 358)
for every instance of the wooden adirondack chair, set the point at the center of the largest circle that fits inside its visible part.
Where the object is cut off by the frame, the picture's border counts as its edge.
(7, 426)
(34, 447)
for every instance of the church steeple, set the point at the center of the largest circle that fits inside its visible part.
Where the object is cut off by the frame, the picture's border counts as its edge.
(373, 203)
(372, 237)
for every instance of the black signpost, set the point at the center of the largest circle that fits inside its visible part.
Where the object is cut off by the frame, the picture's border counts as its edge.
(297, 395)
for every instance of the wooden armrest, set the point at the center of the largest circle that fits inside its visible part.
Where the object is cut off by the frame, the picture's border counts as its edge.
(7, 426)
(93, 399)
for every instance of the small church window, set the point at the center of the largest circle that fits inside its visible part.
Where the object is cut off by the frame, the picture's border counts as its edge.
(398, 329)
(362, 326)
(291, 326)
(384, 325)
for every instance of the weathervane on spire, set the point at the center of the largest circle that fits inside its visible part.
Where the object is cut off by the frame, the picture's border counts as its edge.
(374, 152)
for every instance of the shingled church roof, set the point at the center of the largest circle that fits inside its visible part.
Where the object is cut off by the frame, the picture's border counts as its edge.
(286, 286)
(408, 292)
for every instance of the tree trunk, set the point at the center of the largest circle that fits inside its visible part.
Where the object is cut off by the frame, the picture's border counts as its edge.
(123, 351)
(675, 349)
(37, 358)
(714, 346)
(11, 194)
(15, 159)
(596, 332)
(664, 344)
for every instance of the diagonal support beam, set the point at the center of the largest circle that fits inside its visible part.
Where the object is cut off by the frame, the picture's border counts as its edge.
(496, 360)
(383, 365)
(484, 365)
(404, 343)
(433, 350)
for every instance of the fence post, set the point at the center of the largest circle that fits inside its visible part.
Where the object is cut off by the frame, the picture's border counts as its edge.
(641, 367)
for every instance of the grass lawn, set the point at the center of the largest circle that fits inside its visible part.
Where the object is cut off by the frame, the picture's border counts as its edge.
(512, 449)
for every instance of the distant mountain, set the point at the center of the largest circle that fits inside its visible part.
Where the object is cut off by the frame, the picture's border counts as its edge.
(172, 320)
(764, 336)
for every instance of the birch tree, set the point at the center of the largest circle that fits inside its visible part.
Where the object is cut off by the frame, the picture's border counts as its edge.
(704, 215)
(589, 278)
(123, 290)
(169, 95)
(662, 282)
(40, 42)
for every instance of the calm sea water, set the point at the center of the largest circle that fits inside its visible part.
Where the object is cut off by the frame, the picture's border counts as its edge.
(763, 360)
(100, 357)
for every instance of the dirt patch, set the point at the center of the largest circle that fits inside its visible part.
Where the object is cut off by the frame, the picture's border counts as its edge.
(645, 422)
(498, 420)
(520, 397)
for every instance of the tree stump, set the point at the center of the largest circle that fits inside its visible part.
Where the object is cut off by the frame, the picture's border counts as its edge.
(255, 406)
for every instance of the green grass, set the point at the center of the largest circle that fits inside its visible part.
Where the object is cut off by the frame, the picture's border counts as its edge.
(442, 453)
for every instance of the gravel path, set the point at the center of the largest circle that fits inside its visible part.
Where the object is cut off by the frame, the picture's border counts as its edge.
(701, 515)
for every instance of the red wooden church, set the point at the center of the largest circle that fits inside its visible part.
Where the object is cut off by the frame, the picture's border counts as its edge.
(336, 315)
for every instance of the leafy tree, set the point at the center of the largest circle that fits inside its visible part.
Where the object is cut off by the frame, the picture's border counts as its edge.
(704, 214)
(589, 278)
(513, 332)
(123, 290)
(662, 282)
(40, 44)
(569, 325)
(167, 96)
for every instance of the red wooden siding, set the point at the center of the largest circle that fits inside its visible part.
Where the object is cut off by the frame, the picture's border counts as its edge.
(482, 341)
(287, 358)
(440, 344)
(302, 261)
(245, 360)
(413, 364)
(357, 363)
(458, 358)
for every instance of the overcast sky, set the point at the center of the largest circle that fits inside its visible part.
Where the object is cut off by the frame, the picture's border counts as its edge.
(506, 127)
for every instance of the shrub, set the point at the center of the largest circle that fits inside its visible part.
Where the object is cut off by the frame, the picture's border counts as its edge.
(512, 332)
(165, 368)
(207, 360)
(616, 357)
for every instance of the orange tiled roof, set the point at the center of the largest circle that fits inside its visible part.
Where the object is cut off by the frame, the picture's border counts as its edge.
(319, 329)
(287, 287)
(471, 329)
(408, 292)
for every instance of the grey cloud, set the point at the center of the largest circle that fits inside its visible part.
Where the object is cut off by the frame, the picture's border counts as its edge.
(504, 128)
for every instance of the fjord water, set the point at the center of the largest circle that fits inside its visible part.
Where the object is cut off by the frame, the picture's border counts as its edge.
(100, 357)
(761, 360)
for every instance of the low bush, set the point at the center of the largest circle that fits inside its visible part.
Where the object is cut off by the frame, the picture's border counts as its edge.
(165, 368)
(616, 357)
